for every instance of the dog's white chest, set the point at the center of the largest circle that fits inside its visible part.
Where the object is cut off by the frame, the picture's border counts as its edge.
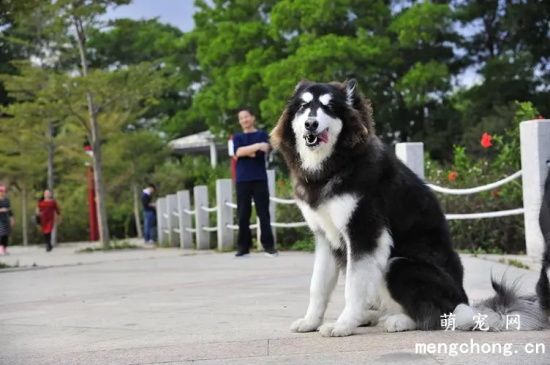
(331, 217)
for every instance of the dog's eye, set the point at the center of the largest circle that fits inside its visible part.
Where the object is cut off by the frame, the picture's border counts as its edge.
(303, 104)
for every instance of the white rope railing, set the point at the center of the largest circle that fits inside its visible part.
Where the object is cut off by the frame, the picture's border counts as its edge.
(500, 213)
(477, 189)
(235, 227)
(209, 210)
(231, 205)
(281, 200)
(288, 225)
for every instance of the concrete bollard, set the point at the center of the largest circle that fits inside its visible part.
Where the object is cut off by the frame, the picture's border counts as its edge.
(185, 220)
(161, 225)
(202, 218)
(172, 219)
(412, 155)
(224, 194)
(535, 151)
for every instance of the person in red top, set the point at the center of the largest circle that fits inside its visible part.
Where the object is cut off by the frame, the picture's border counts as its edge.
(49, 217)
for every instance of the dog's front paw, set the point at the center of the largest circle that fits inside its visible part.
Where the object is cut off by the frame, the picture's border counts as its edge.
(335, 330)
(399, 323)
(305, 325)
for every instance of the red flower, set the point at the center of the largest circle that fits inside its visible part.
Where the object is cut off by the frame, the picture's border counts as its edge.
(452, 176)
(486, 140)
(540, 117)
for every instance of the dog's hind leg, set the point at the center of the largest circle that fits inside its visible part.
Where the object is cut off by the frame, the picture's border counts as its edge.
(424, 291)
(323, 281)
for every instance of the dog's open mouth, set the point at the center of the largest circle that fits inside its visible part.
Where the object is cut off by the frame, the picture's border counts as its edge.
(314, 139)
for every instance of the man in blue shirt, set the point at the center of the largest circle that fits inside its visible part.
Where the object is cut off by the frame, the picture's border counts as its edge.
(149, 214)
(250, 148)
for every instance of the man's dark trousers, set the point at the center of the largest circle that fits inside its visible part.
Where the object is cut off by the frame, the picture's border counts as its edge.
(150, 225)
(259, 191)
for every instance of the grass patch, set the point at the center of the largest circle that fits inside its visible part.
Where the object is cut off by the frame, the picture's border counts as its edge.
(514, 262)
(115, 246)
(225, 250)
(3, 265)
(482, 251)
(303, 245)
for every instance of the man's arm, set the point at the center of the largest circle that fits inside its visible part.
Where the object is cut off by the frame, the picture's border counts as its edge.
(247, 151)
(250, 151)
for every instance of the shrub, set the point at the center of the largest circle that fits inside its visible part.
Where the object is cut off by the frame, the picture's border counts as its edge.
(500, 158)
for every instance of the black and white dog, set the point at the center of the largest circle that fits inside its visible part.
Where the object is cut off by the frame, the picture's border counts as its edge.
(371, 216)
(376, 220)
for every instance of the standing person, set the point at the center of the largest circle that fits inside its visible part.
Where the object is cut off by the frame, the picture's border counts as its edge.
(6, 220)
(49, 213)
(250, 148)
(149, 214)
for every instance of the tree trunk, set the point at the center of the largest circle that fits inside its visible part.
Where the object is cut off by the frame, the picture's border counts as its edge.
(98, 175)
(137, 216)
(95, 141)
(50, 182)
(24, 220)
(51, 150)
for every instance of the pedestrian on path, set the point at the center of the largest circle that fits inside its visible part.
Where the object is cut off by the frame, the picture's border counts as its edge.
(250, 150)
(49, 213)
(6, 220)
(149, 215)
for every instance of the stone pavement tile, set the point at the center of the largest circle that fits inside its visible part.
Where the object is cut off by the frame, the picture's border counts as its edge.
(212, 308)
(146, 355)
(347, 358)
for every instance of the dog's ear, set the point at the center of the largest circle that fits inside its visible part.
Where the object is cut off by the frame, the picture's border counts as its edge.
(302, 85)
(277, 134)
(352, 92)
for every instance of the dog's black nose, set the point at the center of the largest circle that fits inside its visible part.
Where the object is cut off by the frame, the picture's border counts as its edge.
(311, 125)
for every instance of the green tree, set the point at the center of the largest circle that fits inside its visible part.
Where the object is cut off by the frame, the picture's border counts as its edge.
(136, 154)
(128, 42)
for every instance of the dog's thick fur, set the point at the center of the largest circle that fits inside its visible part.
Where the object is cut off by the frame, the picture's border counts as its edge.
(376, 220)
(371, 215)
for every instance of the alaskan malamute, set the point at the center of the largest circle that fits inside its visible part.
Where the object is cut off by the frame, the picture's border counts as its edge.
(370, 214)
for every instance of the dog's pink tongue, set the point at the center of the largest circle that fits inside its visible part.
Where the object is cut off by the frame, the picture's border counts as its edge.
(323, 136)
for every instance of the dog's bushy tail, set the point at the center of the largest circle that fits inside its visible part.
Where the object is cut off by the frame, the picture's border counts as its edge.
(501, 307)
(543, 288)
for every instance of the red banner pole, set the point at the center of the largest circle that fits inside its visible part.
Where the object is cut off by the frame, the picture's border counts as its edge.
(92, 209)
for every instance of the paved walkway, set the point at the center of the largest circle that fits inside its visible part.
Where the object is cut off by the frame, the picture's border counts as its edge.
(167, 306)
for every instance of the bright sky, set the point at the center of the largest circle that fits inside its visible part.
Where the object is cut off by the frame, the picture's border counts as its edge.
(178, 13)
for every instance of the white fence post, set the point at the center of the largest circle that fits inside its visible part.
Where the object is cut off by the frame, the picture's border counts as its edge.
(173, 223)
(224, 194)
(412, 155)
(202, 218)
(535, 151)
(161, 225)
(185, 222)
